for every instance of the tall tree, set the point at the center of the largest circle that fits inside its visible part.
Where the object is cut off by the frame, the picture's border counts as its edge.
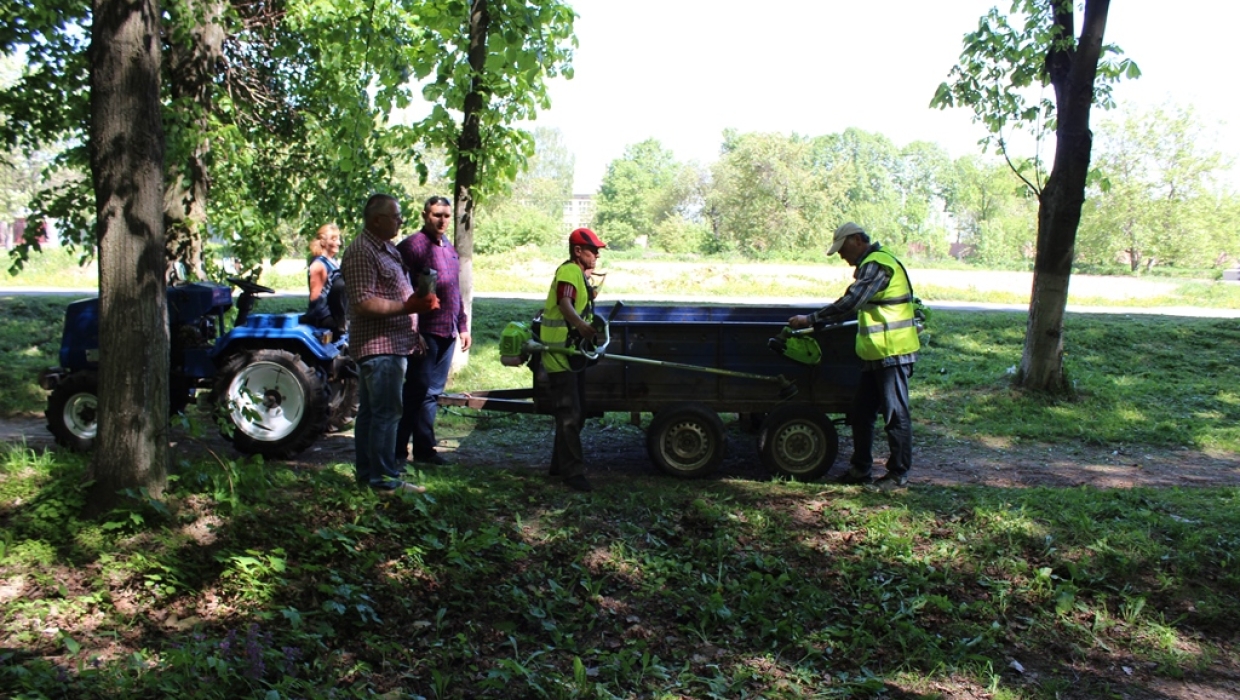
(999, 61)
(921, 178)
(863, 164)
(532, 212)
(768, 193)
(195, 52)
(546, 181)
(127, 156)
(640, 190)
(490, 60)
(275, 112)
(994, 212)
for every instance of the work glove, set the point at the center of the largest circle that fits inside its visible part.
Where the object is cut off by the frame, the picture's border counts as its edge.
(420, 305)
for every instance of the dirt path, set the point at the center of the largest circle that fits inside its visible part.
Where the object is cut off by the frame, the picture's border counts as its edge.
(616, 450)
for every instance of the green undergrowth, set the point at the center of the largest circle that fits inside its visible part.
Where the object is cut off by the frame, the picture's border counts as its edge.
(255, 580)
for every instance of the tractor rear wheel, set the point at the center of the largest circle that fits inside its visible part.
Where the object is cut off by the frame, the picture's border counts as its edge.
(277, 404)
(73, 411)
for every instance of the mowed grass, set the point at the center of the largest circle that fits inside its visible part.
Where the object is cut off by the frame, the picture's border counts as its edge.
(1137, 379)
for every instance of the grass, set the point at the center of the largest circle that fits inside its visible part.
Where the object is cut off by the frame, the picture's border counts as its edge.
(1120, 366)
(265, 580)
(500, 586)
(526, 270)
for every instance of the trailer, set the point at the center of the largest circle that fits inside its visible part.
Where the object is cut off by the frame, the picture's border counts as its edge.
(688, 364)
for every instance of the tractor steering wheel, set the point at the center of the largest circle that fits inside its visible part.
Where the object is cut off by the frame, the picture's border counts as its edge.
(248, 286)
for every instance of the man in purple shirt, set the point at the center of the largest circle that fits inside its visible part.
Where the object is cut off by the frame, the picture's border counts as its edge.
(427, 376)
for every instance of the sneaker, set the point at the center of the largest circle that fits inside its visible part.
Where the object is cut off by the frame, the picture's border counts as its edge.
(398, 487)
(434, 458)
(578, 483)
(890, 482)
(852, 477)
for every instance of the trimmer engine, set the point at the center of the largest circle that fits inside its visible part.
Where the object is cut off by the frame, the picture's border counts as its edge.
(797, 345)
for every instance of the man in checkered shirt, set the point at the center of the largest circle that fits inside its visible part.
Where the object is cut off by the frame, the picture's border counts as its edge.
(382, 336)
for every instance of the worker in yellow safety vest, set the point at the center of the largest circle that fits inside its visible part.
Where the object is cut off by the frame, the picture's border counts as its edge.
(882, 297)
(567, 314)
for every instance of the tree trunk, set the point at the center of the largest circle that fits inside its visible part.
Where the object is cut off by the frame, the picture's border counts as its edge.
(469, 147)
(1072, 71)
(193, 62)
(126, 159)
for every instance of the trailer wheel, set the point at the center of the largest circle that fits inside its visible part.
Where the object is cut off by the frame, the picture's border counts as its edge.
(277, 404)
(799, 442)
(73, 411)
(686, 440)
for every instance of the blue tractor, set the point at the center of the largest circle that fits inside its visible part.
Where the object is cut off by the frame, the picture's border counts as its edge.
(279, 383)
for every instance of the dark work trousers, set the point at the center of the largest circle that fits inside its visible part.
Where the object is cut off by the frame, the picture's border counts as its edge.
(884, 390)
(567, 391)
(425, 380)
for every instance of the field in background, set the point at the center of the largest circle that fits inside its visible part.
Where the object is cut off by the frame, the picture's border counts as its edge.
(528, 271)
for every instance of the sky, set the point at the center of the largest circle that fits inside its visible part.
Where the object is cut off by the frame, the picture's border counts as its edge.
(682, 71)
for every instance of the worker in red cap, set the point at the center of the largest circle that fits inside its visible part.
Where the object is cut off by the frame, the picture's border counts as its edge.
(566, 316)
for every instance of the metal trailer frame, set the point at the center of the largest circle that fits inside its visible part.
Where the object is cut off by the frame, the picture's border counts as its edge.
(688, 364)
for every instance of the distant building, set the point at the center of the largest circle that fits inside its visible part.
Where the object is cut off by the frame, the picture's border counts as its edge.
(579, 211)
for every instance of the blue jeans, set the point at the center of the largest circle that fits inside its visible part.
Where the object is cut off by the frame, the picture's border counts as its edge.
(425, 380)
(883, 390)
(378, 414)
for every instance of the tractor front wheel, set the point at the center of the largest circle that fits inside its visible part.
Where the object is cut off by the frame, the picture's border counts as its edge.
(277, 405)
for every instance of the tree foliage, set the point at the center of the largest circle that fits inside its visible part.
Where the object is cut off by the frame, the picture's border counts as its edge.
(1156, 194)
(527, 42)
(999, 61)
(768, 193)
(294, 126)
(640, 191)
(995, 214)
(532, 211)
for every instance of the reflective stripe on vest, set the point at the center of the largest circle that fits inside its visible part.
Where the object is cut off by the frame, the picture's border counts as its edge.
(885, 325)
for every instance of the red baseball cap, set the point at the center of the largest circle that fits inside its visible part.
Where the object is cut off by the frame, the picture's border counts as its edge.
(584, 236)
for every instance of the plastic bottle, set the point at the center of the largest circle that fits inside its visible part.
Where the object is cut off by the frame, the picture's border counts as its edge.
(427, 281)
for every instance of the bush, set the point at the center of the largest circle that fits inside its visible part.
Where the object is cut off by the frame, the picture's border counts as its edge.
(679, 235)
(514, 226)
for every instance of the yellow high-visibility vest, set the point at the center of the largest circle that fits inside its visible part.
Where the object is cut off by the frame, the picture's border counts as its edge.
(885, 325)
(555, 329)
